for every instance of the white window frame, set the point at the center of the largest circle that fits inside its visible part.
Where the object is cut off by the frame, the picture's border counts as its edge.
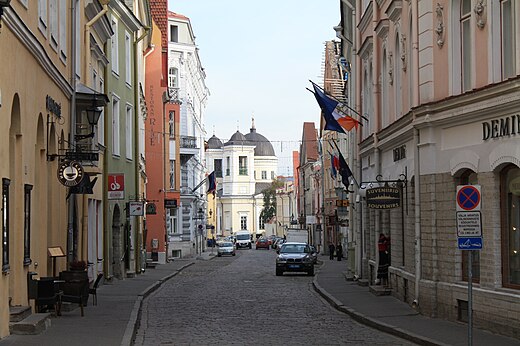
(508, 58)
(63, 29)
(129, 136)
(172, 174)
(53, 24)
(465, 56)
(173, 77)
(101, 122)
(114, 57)
(128, 59)
(43, 16)
(116, 133)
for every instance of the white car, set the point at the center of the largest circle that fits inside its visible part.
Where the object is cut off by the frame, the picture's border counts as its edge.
(225, 248)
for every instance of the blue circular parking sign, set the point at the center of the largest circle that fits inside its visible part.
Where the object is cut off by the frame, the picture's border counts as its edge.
(468, 197)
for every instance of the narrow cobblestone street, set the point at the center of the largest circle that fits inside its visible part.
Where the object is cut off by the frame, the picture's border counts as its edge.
(239, 301)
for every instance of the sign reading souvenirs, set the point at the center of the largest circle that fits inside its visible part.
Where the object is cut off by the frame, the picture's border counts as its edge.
(116, 186)
(503, 127)
(70, 173)
(383, 197)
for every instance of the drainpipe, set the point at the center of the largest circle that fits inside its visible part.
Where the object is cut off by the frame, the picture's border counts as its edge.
(138, 229)
(73, 80)
(377, 228)
(417, 167)
(415, 54)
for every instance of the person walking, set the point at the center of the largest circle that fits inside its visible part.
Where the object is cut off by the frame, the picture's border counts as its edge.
(383, 245)
(331, 251)
(339, 251)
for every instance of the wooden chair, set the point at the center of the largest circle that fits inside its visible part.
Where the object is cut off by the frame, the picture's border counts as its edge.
(75, 288)
(93, 290)
(48, 295)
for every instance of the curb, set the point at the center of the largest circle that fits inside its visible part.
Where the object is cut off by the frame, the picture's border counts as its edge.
(135, 316)
(374, 323)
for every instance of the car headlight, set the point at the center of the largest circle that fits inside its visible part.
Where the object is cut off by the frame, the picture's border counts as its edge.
(281, 260)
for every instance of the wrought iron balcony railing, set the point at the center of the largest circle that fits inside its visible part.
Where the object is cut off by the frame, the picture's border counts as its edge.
(189, 142)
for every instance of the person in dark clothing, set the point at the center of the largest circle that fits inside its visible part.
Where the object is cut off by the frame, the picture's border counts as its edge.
(383, 245)
(331, 251)
(339, 251)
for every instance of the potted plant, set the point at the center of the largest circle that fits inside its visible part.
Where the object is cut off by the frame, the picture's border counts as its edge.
(78, 265)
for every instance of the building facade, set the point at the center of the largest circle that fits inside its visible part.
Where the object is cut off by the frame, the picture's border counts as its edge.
(438, 82)
(244, 166)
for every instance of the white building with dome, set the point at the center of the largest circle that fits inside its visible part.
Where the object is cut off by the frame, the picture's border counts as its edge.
(244, 166)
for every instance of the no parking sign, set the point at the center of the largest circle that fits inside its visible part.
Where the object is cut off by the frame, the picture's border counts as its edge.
(469, 218)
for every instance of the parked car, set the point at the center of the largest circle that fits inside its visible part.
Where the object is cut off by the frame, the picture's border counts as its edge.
(225, 248)
(262, 243)
(294, 257)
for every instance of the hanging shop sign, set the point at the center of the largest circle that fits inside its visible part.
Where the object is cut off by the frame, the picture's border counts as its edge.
(383, 197)
(151, 209)
(116, 186)
(136, 208)
(70, 173)
(170, 203)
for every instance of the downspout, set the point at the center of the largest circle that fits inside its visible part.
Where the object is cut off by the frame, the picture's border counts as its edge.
(72, 131)
(416, 139)
(377, 228)
(138, 229)
(417, 166)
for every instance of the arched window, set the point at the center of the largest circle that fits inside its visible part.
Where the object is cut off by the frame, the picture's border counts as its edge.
(465, 36)
(469, 177)
(510, 208)
(508, 39)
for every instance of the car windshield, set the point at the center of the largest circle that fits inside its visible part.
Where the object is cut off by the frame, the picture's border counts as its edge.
(243, 236)
(293, 248)
(226, 244)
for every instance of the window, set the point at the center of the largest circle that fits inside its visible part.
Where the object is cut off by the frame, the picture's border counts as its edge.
(63, 29)
(264, 175)
(272, 175)
(228, 166)
(174, 33)
(42, 16)
(465, 35)
(27, 225)
(115, 127)
(173, 77)
(470, 178)
(507, 12)
(115, 47)
(217, 163)
(171, 124)
(510, 205)
(242, 165)
(174, 229)
(384, 91)
(128, 59)
(101, 122)
(262, 223)
(397, 80)
(53, 22)
(243, 222)
(129, 135)
(172, 174)
(5, 224)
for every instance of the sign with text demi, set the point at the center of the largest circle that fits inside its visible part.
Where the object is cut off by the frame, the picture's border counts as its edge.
(116, 186)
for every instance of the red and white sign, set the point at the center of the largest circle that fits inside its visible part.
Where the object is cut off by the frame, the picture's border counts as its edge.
(116, 186)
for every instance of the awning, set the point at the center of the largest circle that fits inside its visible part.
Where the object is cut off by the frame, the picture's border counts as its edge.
(89, 98)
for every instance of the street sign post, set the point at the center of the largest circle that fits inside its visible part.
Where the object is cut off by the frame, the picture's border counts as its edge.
(469, 235)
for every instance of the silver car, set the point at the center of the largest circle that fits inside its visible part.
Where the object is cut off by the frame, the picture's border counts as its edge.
(225, 248)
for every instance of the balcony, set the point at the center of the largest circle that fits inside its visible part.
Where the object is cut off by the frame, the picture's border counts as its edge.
(189, 145)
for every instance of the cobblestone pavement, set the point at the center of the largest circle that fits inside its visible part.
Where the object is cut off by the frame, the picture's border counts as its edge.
(239, 301)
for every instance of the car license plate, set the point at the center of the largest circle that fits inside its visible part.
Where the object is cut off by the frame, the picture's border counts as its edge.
(294, 266)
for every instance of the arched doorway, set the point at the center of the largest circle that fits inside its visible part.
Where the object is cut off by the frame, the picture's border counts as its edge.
(117, 243)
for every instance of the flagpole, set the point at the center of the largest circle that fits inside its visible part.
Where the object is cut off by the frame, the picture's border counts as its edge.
(335, 99)
(353, 178)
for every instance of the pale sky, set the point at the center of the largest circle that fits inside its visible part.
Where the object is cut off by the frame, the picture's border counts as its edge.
(259, 57)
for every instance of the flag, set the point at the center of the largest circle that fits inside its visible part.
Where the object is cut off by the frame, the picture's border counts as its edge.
(344, 171)
(333, 166)
(334, 112)
(212, 183)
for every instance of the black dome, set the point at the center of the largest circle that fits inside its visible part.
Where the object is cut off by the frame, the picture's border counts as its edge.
(263, 146)
(237, 139)
(214, 143)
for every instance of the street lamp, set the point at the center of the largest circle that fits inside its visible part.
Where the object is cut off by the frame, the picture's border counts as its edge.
(93, 116)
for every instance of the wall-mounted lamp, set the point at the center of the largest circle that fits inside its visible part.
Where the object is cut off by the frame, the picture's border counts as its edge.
(92, 118)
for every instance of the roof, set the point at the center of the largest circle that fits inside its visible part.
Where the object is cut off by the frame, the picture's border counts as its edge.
(214, 143)
(263, 146)
(237, 139)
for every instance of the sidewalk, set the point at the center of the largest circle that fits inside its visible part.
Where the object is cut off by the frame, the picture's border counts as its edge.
(113, 320)
(393, 316)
